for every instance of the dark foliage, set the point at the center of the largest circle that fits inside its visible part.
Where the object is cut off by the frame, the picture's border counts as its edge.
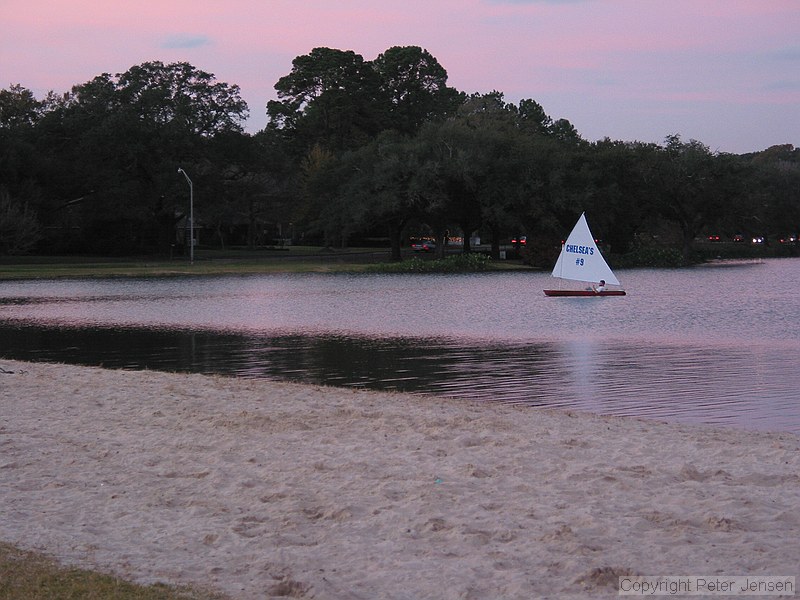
(357, 150)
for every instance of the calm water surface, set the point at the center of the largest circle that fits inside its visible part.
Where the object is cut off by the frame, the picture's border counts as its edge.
(705, 345)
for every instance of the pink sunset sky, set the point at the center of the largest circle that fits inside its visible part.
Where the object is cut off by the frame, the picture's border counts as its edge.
(724, 72)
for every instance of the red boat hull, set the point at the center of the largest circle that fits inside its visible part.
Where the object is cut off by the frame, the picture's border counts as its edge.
(583, 293)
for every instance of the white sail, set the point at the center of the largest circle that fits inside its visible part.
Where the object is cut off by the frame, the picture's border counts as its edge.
(580, 260)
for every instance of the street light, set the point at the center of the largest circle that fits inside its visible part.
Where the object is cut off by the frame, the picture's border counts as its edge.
(191, 216)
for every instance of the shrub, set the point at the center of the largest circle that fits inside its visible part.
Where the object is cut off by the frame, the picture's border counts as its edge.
(651, 256)
(19, 227)
(460, 263)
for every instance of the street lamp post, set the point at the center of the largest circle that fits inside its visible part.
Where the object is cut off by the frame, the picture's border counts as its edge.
(191, 216)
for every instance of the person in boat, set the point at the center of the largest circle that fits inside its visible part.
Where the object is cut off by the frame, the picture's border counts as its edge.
(601, 287)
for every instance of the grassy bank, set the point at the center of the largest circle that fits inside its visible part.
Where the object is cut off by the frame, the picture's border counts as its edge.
(297, 259)
(31, 576)
(207, 262)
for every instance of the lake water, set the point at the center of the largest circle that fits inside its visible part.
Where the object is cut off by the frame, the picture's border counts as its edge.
(713, 344)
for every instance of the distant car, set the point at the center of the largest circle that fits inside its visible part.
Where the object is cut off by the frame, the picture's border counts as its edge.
(423, 246)
(713, 238)
(789, 239)
(738, 238)
(758, 239)
(521, 240)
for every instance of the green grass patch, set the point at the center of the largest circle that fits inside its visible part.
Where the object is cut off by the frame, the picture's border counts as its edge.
(31, 576)
(297, 259)
(166, 269)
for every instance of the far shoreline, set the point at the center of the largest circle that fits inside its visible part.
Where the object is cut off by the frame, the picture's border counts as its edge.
(257, 262)
(308, 259)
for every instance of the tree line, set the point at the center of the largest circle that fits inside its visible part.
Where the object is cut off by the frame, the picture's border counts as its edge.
(355, 151)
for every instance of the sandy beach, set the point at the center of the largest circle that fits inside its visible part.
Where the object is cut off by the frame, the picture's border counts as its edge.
(263, 489)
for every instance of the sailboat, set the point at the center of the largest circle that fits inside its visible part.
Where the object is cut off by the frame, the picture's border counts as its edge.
(580, 260)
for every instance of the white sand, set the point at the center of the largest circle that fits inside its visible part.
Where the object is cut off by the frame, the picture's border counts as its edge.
(263, 489)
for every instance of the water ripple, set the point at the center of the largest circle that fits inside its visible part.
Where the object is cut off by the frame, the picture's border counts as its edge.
(697, 345)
